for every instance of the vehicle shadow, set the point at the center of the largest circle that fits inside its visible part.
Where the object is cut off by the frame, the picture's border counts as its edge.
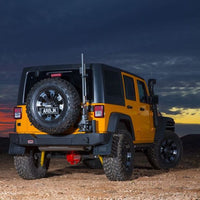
(79, 169)
(142, 168)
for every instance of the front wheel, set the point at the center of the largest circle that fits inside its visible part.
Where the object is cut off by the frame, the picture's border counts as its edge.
(29, 166)
(119, 166)
(166, 151)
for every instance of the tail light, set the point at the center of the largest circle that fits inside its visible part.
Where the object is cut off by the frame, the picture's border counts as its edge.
(17, 113)
(98, 111)
(56, 75)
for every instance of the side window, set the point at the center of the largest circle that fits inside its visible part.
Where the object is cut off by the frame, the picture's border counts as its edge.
(142, 92)
(129, 88)
(113, 87)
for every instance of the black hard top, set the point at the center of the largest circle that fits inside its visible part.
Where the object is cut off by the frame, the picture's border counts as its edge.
(64, 67)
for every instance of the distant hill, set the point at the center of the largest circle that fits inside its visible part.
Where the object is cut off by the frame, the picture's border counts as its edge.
(4, 144)
(191, 143)
(187, 129)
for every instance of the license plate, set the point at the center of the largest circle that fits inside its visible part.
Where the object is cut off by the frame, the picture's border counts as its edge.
(49, 111)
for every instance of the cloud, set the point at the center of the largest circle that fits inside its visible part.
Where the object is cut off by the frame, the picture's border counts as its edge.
(178, 83)
(174, 112)
(9, 76)
(183, 115)
(8, 94)
(38, 26)
(154, 40)
(177, 77)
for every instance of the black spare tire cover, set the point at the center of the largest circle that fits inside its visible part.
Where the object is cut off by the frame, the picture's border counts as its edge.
(53, 105)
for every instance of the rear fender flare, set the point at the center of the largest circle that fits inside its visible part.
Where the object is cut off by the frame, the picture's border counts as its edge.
(114, 121)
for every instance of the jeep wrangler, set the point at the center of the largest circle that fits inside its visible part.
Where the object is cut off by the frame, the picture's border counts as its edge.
(92, 112)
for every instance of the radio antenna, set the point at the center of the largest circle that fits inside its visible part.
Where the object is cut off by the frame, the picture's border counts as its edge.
(84, 121)
(84, 75)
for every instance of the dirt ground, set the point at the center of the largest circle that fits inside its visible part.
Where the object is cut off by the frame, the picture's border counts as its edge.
(64, 182)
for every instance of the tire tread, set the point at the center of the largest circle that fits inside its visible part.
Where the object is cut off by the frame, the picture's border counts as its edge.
(69, 119)
(113, 165)
(153, 152)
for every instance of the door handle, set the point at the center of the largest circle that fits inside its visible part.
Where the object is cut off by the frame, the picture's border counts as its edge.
(129, 107)
(142, 109)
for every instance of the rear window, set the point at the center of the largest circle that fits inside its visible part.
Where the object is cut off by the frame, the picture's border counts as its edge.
(72, 76)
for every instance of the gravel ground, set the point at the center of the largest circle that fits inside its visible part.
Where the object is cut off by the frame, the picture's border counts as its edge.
(65, 182)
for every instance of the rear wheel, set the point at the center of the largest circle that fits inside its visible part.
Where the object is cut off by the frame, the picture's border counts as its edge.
(29, 166)
(119, 166)
(166, 152)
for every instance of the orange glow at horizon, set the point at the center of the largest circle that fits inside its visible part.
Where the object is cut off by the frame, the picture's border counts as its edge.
(6, 120)
(185, 116)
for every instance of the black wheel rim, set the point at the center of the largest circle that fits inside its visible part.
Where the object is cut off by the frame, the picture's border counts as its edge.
(36, 159)
(168, 150)
(127, 155)
(50, 104)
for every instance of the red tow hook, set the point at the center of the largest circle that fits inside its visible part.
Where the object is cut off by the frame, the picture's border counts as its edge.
(73, 158)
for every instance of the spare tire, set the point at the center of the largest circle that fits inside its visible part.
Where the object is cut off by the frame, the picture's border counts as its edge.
(53, 106)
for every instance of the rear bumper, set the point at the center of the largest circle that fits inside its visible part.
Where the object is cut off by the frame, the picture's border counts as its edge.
(101, 143)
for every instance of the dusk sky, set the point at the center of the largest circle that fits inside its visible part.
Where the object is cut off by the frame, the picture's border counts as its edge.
(152, 38)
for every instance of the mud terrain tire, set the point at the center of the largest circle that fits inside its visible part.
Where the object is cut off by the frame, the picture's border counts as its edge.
(166, 151)
(119, 166)
(28, 166)
(53, 106)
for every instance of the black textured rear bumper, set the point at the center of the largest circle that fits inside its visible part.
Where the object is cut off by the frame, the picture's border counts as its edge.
(101, 143)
